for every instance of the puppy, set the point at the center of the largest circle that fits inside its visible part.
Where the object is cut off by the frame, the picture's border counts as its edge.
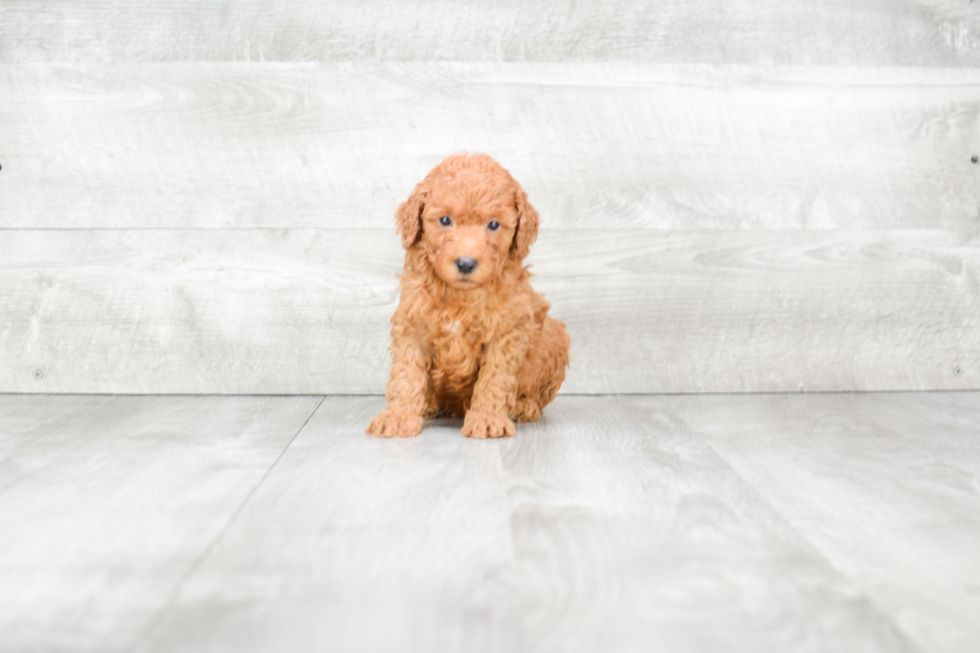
(470, 337)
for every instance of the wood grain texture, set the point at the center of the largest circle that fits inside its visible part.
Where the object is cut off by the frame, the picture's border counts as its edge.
(106, 503)
(596, 145)
(876, 32)
(369, 544)
(684, 523)
(188, 311)
(603, 527)
(876, 484)
(307, 311)
(787, 311)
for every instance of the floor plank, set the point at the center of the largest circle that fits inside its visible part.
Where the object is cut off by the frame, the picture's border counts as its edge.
(630, 535)
(359, 544)
(601, 146)
(602, 527)
(631, 523)
(107, 502)
(877, 484)
(269, 311)
(821, 32)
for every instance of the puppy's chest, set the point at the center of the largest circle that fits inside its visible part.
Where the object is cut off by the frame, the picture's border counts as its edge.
(447, 331)
(454, 339)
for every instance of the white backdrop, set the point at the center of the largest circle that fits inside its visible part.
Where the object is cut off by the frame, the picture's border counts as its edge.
(197, 197)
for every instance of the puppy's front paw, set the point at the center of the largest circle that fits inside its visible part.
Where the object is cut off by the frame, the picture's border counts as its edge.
(391, 424)
(485, 425)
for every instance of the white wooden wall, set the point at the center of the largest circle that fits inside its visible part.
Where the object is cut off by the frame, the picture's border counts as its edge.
(197, 197)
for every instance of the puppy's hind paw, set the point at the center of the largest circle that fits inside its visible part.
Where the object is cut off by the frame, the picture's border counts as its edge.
(484, 425)
(527, 410)
(392, 424)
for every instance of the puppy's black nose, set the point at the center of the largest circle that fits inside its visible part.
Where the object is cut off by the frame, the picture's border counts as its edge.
(465, 265)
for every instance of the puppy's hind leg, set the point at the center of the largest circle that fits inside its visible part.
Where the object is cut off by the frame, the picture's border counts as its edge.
(542, 372)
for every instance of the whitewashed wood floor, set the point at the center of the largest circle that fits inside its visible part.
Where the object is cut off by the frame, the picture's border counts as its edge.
(829, 522)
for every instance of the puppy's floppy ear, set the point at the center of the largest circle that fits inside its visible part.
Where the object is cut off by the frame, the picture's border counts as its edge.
(408, 217)
(527, 225)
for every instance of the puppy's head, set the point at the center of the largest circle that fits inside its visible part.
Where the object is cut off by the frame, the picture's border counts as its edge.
(471, 218)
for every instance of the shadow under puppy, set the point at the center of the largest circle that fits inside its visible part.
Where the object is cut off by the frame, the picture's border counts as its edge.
(470, 336)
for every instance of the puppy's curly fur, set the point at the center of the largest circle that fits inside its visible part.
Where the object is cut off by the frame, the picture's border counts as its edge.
(470, 336)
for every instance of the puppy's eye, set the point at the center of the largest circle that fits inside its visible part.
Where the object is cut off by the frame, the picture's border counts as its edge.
(445, 221)
(493, 226)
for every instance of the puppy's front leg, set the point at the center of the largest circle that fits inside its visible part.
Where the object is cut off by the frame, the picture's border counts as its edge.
(495, 393)
(407, 385)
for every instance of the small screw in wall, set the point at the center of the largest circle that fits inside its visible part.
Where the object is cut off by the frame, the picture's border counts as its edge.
(958, 371)
(974, 159)
(38, 375)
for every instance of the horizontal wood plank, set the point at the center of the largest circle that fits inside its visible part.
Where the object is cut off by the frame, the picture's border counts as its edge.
(307, 311)
(186, 311)
(610, 146)
(906, 32)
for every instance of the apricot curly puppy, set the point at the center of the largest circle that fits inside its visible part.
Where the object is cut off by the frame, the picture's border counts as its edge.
(470, 336)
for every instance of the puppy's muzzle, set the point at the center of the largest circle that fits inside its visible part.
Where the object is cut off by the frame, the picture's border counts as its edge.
(465, 265)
